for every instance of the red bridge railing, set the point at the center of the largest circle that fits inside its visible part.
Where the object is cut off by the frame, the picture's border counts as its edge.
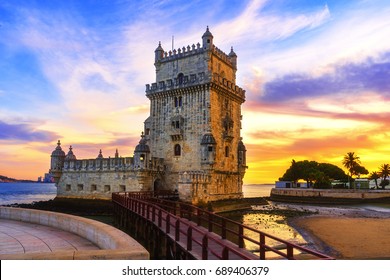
(207, 234)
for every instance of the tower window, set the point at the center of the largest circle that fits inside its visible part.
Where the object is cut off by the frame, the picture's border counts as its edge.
(176, 124)
(180, 78)
(142, 157)
(177, 150)
(226, 151)
(178, 101)
(210, 148)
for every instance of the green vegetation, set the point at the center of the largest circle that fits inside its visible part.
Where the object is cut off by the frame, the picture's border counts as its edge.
(321, 175)
(352, 163)
(384, 172)
(318, 175)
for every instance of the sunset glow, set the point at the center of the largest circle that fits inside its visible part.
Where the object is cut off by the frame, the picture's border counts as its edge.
(316, 75)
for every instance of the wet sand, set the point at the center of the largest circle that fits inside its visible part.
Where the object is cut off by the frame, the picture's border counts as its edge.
(347, 237)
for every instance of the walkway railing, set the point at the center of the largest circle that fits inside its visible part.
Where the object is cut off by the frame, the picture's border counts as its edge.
(208, 235)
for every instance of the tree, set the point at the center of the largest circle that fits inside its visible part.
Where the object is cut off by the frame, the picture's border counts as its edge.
(374, 176)
(332, 171)
(315, 174)
(360, 170)
(384, 172)
(352, 163)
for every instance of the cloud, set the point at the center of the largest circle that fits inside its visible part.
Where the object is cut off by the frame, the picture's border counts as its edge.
(252, 25)
(25, 133)
(371, 75)
(125, 143)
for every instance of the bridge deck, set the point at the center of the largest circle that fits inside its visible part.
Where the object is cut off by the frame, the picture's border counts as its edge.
(205, 235)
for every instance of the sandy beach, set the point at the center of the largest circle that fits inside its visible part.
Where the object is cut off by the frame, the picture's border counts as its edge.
(347, 237)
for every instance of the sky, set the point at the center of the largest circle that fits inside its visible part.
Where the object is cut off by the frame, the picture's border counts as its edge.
(316, 75)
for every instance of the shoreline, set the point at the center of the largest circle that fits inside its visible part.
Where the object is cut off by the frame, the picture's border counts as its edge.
(349, 234)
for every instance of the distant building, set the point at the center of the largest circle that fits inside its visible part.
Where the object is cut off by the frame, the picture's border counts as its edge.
(290, 184)
(191, 140)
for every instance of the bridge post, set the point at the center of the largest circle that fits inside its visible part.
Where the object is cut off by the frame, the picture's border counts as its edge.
(153, 214)
(210, 221)
(159, 218)
(205, 244)
(223, 233)
(189, 239)
(290, 252)
(262, 248)
(225, 253)
(168, 224)
(241, 237)
(177, 230)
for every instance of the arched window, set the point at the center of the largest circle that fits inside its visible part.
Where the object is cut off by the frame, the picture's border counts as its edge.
(177, 150)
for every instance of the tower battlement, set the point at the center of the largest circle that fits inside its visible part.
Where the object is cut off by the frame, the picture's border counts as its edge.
(192, 50)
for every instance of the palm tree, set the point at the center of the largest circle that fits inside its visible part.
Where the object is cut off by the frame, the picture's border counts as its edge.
(374, 176)
(350, 161)
(384, 172)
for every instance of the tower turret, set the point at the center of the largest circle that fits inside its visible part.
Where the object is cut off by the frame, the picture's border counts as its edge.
(141, 153)
(207, 39)
(158, 53)
(57, 162)
(233, 58)
(70, 156)
(100, 155)
(208, 149)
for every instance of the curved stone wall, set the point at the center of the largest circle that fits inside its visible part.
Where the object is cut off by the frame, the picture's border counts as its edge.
(114, 243)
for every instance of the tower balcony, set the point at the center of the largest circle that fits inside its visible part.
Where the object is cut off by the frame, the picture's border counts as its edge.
(176, 134)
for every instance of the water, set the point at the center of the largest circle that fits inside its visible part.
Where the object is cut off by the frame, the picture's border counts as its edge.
(11, 193)
(256, 190)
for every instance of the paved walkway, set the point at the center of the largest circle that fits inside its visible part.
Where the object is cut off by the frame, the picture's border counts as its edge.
(20, 237)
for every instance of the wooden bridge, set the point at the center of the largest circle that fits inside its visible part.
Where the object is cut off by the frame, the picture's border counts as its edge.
(175, 230)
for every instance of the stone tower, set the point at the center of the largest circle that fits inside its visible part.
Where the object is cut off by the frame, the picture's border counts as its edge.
(195, 121)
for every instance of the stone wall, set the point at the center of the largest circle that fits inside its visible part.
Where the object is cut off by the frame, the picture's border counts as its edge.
(329, 196)
(114, 243)
(100, 185)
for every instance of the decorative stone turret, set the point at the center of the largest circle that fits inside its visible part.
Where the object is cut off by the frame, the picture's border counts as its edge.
(70, 156)
(141, 154)
(208, 149)
(158, 53)
(100, 156)
(233, 58)
(241, 154)
(207, 39)
(57, 162)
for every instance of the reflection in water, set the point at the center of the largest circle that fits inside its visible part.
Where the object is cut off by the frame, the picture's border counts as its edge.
(273, 224)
